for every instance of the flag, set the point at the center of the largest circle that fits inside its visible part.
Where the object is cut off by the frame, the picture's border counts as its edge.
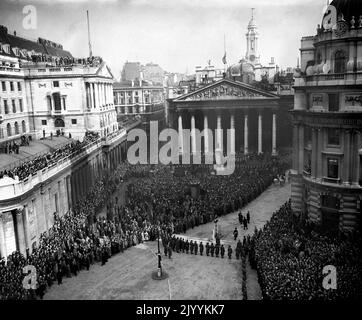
(224, 58)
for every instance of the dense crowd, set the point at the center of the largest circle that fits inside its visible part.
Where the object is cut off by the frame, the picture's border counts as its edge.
(158, 202)
(50, 158)
(290, 255)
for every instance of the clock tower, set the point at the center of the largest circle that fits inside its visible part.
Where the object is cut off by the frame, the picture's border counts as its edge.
(252, 54)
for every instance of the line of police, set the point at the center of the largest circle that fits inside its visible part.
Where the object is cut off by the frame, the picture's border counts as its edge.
(179, 245)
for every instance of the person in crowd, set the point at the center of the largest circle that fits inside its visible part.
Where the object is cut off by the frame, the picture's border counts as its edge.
(235, 233)
(222, 251)
(230, 251)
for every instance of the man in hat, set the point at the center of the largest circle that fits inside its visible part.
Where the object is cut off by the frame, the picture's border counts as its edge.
(201, 248)
(222, 251)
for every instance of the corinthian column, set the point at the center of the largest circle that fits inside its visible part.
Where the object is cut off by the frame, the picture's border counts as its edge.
(260, 134)
(246, 133)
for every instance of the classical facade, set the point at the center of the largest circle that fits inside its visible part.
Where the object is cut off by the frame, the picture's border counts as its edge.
(256, 116)
(43, 89)
(327, 121)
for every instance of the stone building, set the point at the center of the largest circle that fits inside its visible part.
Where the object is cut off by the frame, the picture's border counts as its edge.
(327, 121)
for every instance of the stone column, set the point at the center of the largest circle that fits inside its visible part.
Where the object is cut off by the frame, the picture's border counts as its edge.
(91, 95)
(260, 134)
(301, 149)
(193, 135)
(180, 135)
(274, 135)
(3, 252)
(96, 95)
(356, 157)
(246, 135)
(206, 136)
(218, 133)
(319, 154)
(20, 230)
(314, 153)
(347, 157)
(232, 137)
(26, 227)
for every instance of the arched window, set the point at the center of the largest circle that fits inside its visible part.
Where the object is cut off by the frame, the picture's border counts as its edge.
(8, 129)
(23, 125)
(16, 127)
(340, 62)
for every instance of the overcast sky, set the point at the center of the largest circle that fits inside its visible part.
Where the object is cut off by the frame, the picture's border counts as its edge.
(178, 35)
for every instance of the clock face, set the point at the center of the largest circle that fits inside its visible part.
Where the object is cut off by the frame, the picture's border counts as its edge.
(252, 57)
(342, 28)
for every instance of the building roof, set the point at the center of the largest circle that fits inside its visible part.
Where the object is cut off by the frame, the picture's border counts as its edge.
(39, 47)
(348, 8)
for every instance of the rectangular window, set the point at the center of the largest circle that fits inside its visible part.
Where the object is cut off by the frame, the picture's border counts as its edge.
(74, 121)
(333, 136)
(14, 106)
(57, 101)
(11, 86)
(6, 107)
(21, 105)
(43, 122)
(333, 102)
(3, 85)
(332, 168)
(56, 84)
(19, 86)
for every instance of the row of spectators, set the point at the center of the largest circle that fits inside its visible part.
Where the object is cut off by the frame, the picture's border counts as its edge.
(64, 61)
(28, 168)
(290, 254)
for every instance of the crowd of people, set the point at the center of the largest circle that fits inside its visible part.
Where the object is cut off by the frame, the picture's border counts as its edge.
(157, 202)
(50, 158)
(290, 255)
(65, 61)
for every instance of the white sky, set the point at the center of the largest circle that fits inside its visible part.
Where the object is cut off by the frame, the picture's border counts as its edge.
(177, 34)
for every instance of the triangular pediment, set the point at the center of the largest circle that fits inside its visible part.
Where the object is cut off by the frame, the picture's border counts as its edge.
(226, 89)
(104, 71)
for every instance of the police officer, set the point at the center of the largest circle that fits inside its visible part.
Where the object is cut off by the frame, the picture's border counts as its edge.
(217, 249)
(207, 249)
(230, 251)
(222, 251)
(235, 233)
(196, 247)
(201, 248)
(187, 246)
(212, 248)
(191, 247)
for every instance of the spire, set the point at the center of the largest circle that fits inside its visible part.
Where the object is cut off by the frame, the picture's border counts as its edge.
(252, 23)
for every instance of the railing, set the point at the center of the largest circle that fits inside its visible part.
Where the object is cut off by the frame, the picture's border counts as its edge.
(21, 187)
(334, 76)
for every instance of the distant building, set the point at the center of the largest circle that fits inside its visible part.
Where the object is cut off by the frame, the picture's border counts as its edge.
(131, 71)
(249, 69)
(140, 98)
(154, 73)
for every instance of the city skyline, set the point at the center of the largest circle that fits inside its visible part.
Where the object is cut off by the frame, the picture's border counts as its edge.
(164, 33)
